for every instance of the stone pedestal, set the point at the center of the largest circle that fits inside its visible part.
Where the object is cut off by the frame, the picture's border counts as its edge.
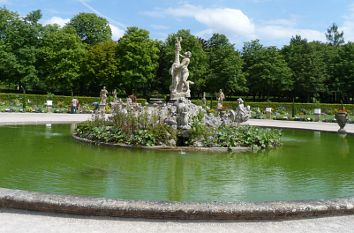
(102, 110)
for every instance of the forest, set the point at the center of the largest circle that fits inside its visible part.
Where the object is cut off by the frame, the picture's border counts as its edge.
(81, 57)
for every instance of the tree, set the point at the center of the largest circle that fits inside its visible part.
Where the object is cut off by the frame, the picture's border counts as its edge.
(91, 28)
(334, 37)
(267, 72)
(137, 60)
(60, 60)
(20, 38)
(225, 66)
(308, 67)
(197, 67)
(100, 67)
(344, 71)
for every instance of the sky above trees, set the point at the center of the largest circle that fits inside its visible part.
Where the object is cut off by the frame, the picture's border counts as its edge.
(273, 22)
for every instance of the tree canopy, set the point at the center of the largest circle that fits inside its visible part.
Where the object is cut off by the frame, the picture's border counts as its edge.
(91, 29)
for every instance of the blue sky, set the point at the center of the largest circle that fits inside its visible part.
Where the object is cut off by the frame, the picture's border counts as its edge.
(271, 21)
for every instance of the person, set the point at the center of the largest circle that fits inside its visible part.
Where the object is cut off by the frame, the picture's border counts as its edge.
(74, 105)
(103, 96)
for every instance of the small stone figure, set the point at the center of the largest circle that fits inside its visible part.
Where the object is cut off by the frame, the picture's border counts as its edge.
(115, 98)
(103, 96)
(182, 114)
(133, 98)
(242, 113)
(204, 100)
(220, 98)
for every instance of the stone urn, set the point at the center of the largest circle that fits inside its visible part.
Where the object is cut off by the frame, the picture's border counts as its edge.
(342, 118)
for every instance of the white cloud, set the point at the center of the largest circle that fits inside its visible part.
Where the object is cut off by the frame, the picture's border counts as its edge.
(236, 24)
(3, 1)
(348, 24)
(274, 32)
(57, 20)
(222, 20)
(116, 32)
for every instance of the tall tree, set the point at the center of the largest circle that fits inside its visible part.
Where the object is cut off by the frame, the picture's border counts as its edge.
(267, 72)
(60, 58)
(334, 37)
(308, 67)
(92, 29)
(225, 66)
(197, 67)
(100, 67)
(344, 71)
(137, 63)
(20, 38)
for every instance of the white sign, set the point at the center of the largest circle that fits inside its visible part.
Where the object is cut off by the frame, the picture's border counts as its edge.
(49, 102)
(268, 109)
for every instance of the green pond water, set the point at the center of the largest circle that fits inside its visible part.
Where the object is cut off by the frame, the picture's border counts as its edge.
(309, 165)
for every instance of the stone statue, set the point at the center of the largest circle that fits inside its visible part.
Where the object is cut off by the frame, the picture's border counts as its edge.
(174, 69)
(103, 96)
(180, 85)
(182, 114)
(115, 98)
(242, 113)
(220, 97)
(204, 100)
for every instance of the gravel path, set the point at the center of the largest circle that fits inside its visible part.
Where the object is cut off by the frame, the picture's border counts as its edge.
(13, 221)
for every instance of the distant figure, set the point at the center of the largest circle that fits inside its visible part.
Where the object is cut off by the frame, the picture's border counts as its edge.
(103, 96)
(96, 105)
(74, 105)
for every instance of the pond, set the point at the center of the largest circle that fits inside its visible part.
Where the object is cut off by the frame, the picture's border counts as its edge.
(309, 165)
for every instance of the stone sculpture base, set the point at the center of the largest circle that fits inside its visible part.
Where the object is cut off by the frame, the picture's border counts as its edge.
(179, 95)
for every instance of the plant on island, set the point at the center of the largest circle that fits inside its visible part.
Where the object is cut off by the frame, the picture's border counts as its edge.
(147, 130)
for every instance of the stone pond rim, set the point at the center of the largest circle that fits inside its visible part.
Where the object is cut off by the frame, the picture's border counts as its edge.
(88, 206)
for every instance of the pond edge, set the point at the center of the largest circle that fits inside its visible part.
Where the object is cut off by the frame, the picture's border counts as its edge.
(90, 206)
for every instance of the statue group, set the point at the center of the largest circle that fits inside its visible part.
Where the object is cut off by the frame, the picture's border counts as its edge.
(179, 71)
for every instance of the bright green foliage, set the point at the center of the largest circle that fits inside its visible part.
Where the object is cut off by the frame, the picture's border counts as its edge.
(308, 67)
(128, 129)
(19, 39)
(225, 66)
(100, 67)
(267, 72)
(91, 28)
(137, 57)
(228, 136)
(344, 70)
(197, 67)
(60, 57)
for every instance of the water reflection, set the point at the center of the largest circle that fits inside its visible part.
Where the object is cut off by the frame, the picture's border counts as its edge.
(309, 165)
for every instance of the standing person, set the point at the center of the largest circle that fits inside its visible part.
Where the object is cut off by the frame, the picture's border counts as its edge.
(74, 105)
